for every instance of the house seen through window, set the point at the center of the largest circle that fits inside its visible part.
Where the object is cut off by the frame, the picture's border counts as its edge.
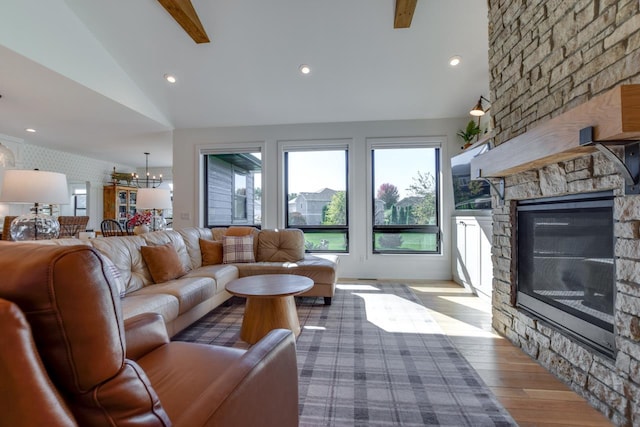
(233, 193)
(316, 198)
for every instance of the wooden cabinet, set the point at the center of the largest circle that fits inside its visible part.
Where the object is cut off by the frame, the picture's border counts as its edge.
(472, 265)
(118, 202)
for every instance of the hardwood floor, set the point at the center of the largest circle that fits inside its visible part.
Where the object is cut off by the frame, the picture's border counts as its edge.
(532, 395)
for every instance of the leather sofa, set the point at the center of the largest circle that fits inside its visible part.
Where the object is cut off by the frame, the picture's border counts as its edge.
(68, 357)
(185, 299)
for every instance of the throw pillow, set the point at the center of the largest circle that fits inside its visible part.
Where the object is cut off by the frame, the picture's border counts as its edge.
(237, 249)
(238, 230)
(163, 262)
(211, 252)
(115, 274)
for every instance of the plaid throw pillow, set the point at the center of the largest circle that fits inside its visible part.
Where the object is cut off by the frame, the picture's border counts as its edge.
(237, 249)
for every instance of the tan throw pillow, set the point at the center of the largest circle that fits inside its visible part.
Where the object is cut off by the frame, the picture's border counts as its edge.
(238, 230)
(211, 252)
(237, 249)
(163, 262)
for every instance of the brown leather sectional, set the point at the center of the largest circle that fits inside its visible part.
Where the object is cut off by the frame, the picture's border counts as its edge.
(186, 299)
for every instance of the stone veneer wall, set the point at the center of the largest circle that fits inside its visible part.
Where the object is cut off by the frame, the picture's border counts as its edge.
(546, 57)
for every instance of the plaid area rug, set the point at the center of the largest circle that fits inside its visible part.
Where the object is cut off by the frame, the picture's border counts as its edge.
(375, 357)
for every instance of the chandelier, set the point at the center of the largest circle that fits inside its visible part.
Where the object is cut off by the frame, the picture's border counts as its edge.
(147, 181)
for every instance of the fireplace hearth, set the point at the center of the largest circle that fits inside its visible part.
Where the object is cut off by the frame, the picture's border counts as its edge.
(565, 265)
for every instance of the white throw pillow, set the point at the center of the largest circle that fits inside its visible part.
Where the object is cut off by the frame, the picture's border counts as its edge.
(115, 274)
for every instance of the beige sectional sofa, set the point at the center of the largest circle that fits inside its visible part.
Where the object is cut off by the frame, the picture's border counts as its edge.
(198, 288)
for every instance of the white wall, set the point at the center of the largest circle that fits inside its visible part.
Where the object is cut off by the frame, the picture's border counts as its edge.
(78, 169)
(360, 262)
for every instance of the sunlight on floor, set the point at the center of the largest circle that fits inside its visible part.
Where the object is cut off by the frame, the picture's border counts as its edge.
(357, 287)
(395, 314)
(459, 328)
(440, 290)
(473, 302)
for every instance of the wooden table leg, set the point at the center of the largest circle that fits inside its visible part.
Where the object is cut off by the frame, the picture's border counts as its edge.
(263, 314)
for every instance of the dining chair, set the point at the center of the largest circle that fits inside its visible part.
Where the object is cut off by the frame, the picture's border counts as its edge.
(71, 226)
(6, 229)
(111, 227)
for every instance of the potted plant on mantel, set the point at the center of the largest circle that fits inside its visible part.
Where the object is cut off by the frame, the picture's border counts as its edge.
(471, 131)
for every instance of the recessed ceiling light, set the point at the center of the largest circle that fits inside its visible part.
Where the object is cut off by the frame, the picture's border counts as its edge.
(30, 130)
(304, 69)
(170, 78)
(454, 61)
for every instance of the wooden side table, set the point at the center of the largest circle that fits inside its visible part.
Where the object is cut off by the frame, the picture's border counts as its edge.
(270, 303)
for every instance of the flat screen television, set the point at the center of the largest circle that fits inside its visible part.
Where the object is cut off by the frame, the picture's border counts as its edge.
(469, 194)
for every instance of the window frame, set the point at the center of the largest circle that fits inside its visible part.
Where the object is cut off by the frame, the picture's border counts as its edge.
(311, 146)
(219, 149)
(374, 144)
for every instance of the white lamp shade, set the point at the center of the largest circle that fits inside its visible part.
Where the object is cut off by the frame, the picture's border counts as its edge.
(153, 198)
(34, 186)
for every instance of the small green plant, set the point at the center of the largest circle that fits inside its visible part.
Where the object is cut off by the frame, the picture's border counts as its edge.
(471, 131)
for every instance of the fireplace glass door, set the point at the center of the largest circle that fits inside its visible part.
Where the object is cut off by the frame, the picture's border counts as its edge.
(565, 264)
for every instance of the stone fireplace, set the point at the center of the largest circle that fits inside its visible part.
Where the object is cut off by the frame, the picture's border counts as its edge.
(610, 381)
(547, 60)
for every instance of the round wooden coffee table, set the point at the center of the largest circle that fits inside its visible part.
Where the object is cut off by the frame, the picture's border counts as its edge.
(270, 303)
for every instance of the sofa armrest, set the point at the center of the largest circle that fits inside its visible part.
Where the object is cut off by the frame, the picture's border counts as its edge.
(260, 388)
(143, 333)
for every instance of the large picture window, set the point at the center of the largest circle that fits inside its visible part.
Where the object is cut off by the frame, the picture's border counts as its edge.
(233, 189)
(317, 199)
(406, 198)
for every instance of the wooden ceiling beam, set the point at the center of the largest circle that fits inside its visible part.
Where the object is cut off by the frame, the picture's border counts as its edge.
(404, 13)
(185, 15)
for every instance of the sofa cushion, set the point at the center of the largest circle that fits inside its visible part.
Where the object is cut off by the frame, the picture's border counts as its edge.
(190, 291)
(237, 249)
(163, 262)
(319, 269)
(221, 273)
(181, 387)
(211, 252)
(137, 303)
(125, 253)
(191, 237)
(286, 245)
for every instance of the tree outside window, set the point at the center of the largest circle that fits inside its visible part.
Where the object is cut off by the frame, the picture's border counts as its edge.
(406, 198)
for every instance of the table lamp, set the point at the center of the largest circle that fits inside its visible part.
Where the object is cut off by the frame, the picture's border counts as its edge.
(154, 199)
(34, 186)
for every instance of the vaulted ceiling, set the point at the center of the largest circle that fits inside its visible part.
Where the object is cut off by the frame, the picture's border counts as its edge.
(88, 74)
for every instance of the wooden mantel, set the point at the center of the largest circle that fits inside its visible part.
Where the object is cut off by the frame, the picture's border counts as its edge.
(615, 116)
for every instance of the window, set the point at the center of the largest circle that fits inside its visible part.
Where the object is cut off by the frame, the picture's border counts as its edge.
(239, 195)
(80, 202)
(232, 189)
(316, 197)
(406, 195)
